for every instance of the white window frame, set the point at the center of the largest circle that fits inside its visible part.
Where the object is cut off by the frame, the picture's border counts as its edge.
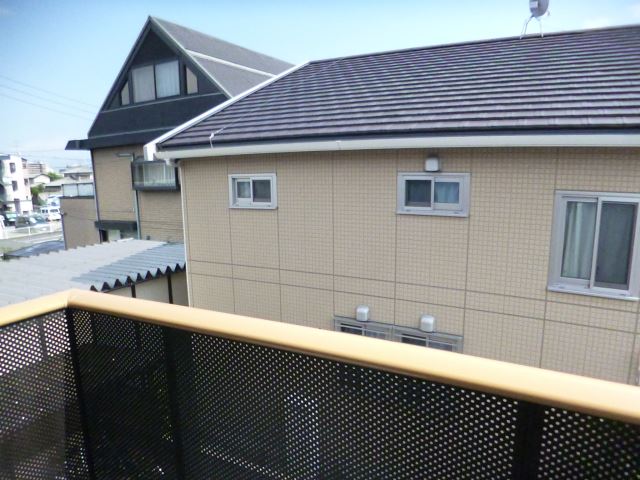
(460, 209)
(235, 202)
(556, 282)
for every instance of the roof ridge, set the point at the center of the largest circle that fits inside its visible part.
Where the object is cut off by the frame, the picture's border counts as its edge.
(478, 42)
(218, 39)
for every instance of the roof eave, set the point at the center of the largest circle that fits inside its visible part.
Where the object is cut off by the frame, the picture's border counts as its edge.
(605, 138)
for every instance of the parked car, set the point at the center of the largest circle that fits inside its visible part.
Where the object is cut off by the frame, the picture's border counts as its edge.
(36, 222)
(51, 213)
(10, 218)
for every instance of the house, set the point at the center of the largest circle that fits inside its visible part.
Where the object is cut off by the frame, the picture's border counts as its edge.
(172, 74)
(15, 190)
(479, 197)
(38, 178)
(77, 172)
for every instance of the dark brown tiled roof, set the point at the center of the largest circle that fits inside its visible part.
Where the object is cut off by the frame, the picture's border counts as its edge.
(584, 80)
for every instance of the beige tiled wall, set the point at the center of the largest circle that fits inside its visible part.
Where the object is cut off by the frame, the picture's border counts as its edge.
(335, 241)
(160, 215)
(113, 183)
(160, 211)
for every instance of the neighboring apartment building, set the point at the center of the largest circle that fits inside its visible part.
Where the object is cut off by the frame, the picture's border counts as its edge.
(488, 191)
(171, 74)
(15, 190)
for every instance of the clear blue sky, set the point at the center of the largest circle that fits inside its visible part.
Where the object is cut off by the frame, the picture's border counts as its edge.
(75, 48)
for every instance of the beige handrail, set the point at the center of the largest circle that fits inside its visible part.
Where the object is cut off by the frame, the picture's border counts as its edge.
(583, 394)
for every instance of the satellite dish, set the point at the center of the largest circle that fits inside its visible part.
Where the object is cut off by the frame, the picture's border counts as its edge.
(538, 8)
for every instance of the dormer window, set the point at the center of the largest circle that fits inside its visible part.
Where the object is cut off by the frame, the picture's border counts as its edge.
(155, 81)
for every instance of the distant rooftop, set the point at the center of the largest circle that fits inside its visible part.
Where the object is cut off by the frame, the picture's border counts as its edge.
(580, 81)
(100, 267)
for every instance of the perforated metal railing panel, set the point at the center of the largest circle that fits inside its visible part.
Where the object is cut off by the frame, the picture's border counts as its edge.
(41, 433)
(92, 396)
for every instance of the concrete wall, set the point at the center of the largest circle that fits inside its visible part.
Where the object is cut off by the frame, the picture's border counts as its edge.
(160, 211)
(335, 241)
(78, 217)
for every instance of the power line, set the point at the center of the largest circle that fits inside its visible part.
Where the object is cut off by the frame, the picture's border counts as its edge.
(47, 91)
(42, 106)
(66, 105)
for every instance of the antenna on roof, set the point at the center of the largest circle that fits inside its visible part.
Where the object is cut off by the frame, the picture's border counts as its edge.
(538, 9)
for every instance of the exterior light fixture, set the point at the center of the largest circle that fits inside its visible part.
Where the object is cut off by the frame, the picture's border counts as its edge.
(432, 163)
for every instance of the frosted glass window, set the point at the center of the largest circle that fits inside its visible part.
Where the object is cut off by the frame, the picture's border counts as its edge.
(124, 95)
(447, 192)
(167, 79)
(143, 84)
(192, 82)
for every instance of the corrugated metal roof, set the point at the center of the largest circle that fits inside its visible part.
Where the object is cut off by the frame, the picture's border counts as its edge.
(97, 267)
(574, 80)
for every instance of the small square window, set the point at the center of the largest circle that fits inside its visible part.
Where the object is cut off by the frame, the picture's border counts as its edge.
(433, 194)
(594, 244)
(252, 191)
(14, 186)
(12, 167)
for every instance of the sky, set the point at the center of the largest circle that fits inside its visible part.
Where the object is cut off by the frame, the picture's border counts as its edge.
(58, 58)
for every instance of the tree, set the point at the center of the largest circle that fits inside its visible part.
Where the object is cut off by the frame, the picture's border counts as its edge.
(36, 191)
(53, 175)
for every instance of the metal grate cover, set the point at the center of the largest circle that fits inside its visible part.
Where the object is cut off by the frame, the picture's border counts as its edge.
(117, 398)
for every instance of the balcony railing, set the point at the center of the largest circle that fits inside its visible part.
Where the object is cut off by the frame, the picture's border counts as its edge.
(103, 387)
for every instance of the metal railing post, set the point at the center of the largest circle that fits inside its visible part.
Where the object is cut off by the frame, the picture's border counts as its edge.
(75, 359)
(528, 440)
(178, 362)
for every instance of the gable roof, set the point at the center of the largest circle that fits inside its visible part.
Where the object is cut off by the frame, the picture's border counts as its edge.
(228, 68)
(579, 81)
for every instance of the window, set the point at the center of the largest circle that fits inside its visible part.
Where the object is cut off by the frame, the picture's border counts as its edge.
(252, 191)
(124, 95)
(433, 194)
(155, 81)
(192, 81)
(594, 241)
(14, 185)
(154, 175)
(167, 79)
(143, 84)
(12, 167)
(412, 336)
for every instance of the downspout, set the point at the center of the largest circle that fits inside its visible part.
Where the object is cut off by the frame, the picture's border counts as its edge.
(136, 206)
